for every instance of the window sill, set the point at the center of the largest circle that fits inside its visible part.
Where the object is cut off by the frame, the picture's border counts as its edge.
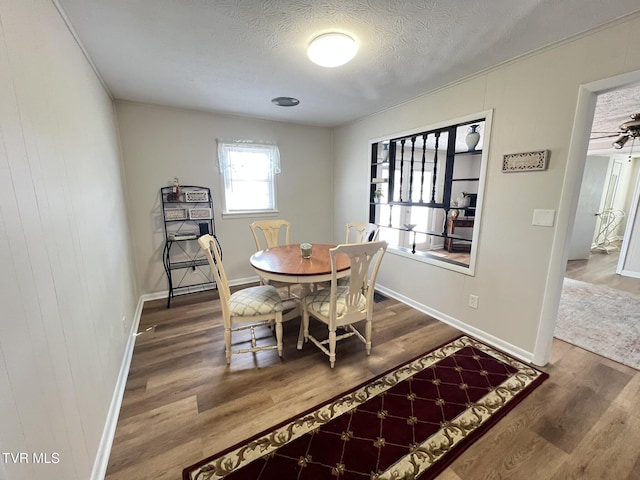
(424, 257)
(251, 213)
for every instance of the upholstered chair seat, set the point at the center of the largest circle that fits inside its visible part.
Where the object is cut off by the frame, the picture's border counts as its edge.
(254, 301)
(320, 301)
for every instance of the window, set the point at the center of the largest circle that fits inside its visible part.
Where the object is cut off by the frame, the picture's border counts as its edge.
(426, 191)
(248, 174)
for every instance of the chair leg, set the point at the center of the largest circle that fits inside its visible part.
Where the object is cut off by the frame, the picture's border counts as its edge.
(227, 344)
(332, 348)
(301, 334)
(304, 327)
(367, 336)
(279, 333)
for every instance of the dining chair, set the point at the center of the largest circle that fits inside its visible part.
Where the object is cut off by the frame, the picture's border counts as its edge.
(244, 309)
(268, 233)
(342, 306)
(360, 232)
(271, 233)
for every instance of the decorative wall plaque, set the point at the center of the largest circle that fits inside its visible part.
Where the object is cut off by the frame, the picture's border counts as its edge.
(525, 162)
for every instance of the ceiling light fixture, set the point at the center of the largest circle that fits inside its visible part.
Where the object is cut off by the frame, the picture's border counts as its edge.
(619, 143)
(285, 101)
(332, 49)
(630, 129)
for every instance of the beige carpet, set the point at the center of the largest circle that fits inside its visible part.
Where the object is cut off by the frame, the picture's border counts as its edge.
(602, 320)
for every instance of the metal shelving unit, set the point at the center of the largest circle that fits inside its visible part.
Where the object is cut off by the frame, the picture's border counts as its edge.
(187, 215)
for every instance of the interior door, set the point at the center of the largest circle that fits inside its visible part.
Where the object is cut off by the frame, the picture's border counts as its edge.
(593, 181)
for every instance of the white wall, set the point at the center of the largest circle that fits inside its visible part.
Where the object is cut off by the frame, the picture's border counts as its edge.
(66, 267)
(160, 143)
(534, 104)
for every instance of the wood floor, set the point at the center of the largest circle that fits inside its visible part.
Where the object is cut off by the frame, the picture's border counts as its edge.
(182, 403)
(600, 269)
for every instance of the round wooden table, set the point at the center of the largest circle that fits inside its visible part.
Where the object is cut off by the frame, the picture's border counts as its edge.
(284, 263)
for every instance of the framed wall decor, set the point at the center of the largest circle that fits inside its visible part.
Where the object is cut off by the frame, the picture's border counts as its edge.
(199, 213)
(525, 162)
(175, 213)
(196, 196)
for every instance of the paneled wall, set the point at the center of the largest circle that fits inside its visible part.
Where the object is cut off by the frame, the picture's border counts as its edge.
(66, 281)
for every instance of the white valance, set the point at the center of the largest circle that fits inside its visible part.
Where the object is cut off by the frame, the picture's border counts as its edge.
(248, 146)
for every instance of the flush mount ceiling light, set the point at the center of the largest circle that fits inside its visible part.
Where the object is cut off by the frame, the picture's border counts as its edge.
(332, 49)
(285, 101)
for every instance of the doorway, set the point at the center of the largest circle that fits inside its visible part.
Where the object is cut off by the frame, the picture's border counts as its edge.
(578, 148)
(609, 181)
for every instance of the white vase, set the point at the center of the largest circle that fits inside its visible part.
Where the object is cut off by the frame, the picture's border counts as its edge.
(385, 153)
(472, 138)
(463, 202)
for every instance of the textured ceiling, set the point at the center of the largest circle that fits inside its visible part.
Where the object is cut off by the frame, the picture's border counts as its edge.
(234, 56)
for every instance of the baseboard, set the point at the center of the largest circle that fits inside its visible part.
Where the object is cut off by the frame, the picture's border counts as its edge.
(629, 273)
(147, 297)
(104, 449)
(478, 334)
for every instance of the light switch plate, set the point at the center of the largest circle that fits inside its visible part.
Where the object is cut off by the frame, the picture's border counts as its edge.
(543, 218)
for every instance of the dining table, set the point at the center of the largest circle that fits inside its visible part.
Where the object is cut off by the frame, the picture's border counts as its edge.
(285, 263)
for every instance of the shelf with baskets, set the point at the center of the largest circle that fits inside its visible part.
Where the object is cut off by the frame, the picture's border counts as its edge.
(187, 212)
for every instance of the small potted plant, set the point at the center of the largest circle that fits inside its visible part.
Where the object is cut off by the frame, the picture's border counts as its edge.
(377, 195)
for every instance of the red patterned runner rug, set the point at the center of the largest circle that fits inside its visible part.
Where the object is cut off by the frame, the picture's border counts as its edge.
(410, 422)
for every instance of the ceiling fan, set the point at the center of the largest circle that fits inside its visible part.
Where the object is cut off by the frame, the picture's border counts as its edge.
(630, 129)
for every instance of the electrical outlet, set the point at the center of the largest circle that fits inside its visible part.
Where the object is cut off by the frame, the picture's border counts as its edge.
(473, 301)
(124, 322)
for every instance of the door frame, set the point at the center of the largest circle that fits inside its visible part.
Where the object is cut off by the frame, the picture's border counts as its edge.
(576, 158)
(631, 221)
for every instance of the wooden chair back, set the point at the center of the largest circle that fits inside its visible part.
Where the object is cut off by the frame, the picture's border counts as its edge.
(360, 232)
(364, 259)
(270, 233)
(212, 251)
